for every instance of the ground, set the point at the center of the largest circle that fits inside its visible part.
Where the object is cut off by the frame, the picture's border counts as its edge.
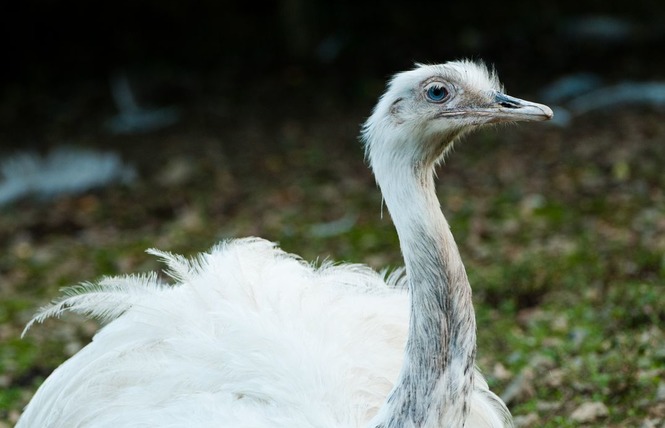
(562, 231)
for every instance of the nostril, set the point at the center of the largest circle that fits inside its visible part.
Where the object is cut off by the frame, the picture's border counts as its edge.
(508, 105)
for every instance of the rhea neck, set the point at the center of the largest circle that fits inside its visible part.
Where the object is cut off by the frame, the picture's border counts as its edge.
(436, 378)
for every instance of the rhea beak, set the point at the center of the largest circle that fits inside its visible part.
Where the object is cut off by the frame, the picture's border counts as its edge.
(510, 109)
(500, 108)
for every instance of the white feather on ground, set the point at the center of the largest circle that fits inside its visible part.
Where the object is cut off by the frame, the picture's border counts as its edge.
(65, 170)
(131, 117)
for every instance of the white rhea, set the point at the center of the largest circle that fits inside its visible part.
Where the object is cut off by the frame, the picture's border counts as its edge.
(250, 336)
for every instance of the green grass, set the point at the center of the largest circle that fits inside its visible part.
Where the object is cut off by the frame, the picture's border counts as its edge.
(562, 233)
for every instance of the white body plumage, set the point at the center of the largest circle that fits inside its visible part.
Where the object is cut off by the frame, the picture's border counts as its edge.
(248, 337)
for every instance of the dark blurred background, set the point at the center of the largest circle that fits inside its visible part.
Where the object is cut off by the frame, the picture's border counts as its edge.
(50, 41)
(53, 50)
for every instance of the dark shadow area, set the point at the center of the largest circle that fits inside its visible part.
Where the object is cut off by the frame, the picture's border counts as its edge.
(58, 57)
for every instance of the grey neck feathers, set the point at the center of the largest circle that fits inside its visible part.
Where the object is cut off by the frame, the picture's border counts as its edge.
(436, 378)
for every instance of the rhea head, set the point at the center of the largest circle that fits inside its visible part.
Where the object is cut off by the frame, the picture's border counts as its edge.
(425, 109)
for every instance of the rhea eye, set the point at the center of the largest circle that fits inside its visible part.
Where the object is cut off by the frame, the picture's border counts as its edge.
(437, 93)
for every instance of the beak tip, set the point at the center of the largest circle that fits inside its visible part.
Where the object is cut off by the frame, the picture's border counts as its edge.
(547, 112)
